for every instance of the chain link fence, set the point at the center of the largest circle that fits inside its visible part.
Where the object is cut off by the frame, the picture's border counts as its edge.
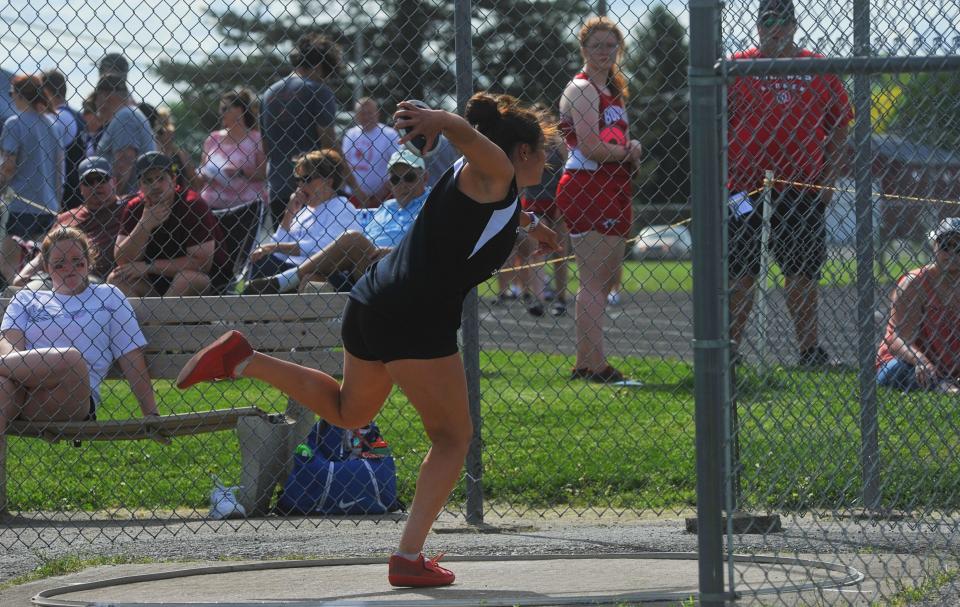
(584, 393)
(839, 173)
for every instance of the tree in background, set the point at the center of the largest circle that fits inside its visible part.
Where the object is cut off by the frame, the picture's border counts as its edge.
(528, 49)
(656, 67)
(394, 49)
(928, 110)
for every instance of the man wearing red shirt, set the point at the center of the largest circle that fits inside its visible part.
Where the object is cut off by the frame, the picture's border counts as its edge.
(795, 126)
(169, 240)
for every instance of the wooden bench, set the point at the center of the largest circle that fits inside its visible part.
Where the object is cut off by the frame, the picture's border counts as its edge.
(301, 328)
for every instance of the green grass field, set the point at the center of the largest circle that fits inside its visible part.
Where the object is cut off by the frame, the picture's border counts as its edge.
(551, 443)
(676, 276)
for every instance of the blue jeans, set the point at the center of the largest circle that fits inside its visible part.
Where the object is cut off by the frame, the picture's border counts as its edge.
(899, 375)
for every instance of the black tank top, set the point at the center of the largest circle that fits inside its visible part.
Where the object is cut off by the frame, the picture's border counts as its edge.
(455, 244)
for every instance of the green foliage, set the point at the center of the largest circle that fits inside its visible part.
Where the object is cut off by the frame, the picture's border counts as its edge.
(404, 49)
(927, 110)
(658, 107)
(550, 443)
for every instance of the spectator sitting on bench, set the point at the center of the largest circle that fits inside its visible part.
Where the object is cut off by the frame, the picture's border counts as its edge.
(57, 346)
(168, 238)
(315, 215)
(352, 252)
(921, 347)
(98, 217)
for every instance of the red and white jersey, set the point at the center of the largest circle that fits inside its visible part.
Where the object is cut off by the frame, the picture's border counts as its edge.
(613, 128)
(781, 123)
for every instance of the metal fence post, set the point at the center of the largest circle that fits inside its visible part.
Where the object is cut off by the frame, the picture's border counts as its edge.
(471, 315)
(866, 287)
(711, 342)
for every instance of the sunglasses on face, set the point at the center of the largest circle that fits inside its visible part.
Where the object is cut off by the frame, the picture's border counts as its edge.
(94, 180)
(950, 245)
(775, 21)
(305, 179)
(406, 178)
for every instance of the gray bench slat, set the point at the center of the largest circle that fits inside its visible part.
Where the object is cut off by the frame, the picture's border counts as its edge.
(167, 366)
(176, 424)
(238, 308)
(265, 337)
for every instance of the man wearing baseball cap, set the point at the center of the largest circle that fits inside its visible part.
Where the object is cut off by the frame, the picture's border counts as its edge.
(921, 346)
(98, 216)
(168, 243)
(348, 257)
(795, 126)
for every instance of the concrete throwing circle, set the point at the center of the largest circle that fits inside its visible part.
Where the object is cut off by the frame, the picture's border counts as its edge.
(482, 580)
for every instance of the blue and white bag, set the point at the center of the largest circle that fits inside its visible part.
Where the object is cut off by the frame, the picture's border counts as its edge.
(338, 471)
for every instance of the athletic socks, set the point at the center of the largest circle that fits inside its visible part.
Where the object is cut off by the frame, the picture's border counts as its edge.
(288, 280)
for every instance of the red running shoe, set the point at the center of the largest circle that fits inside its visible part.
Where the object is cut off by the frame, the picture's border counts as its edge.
(216, 361)
(419, 573)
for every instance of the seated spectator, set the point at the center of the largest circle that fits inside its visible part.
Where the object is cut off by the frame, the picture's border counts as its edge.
(98, 217)
(353, 252)
(126, 132)
(163, 129)
(233, 168)
(51, 367)
(315, 215)
(32, 167)
(921, 347)
(168, 238)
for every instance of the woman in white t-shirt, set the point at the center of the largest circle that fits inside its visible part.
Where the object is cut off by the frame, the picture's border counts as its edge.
(57, 346)
(233, 167)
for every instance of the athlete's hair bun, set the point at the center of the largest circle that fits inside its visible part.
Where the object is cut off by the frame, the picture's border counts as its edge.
(483, 111)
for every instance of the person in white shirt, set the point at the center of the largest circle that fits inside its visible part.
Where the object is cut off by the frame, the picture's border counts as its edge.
(367, 147)
(57, 346)
(315, 215)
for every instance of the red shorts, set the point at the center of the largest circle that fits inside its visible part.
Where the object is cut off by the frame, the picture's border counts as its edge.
(544, 207)
(596, 201)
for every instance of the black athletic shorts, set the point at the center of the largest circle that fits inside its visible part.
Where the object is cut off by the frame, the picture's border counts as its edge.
(798, 235)
(369, 335)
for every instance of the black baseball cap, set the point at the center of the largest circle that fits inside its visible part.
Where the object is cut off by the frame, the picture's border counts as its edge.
(153, 160)
(114, 63)
(777, 9)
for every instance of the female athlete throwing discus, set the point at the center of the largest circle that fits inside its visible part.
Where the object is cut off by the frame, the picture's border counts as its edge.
(400, 323)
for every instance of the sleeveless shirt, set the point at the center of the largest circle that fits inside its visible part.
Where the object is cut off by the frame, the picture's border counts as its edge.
(455, 244)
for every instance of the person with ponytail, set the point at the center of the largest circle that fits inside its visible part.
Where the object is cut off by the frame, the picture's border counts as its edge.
(594, 193)
(401, 320)
(32, 167)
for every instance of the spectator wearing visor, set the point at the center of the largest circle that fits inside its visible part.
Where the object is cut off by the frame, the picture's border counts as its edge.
(921, 345)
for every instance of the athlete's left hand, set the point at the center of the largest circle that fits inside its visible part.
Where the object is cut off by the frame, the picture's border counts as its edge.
(547, 239)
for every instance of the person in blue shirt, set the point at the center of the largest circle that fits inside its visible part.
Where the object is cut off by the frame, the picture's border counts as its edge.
(348, 257)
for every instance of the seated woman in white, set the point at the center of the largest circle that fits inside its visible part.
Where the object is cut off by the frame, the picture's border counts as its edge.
(57, 346)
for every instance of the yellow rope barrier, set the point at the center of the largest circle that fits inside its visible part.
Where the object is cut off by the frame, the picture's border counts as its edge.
(811, 186)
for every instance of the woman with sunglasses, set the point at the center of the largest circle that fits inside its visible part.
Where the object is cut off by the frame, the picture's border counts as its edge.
(315, 215)
(921, 347)
(233, 167)
(345, 260)
(400, 323)
(32, 166)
